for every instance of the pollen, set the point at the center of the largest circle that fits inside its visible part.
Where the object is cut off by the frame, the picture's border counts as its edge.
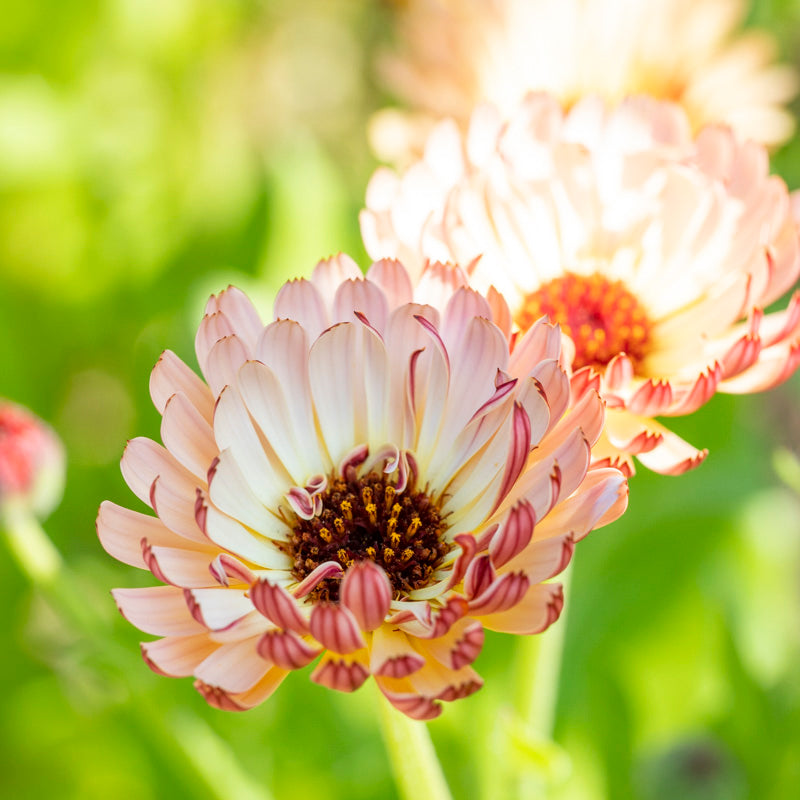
(366, 518)
(601, 316)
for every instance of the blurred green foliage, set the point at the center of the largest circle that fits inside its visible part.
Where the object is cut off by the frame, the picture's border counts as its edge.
(152, 152)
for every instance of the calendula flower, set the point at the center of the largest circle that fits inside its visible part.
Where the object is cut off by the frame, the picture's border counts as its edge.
(656, 251)
(366, 479)
(452, 55)
(31, 462)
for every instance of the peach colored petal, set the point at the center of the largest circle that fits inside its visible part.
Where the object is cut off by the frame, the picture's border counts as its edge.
(159, 610)
(367, 593)
(178, 565)
(286, 649)
(536, 611)
(301, 301)
(233, 667)
(177, 656)
(121, 532)
(217, 608)
(278, 606)
(457, 648)
(241, 701)
(336, 628)
(170, 376)
(341, 673)
(392, 654)
(187, 435)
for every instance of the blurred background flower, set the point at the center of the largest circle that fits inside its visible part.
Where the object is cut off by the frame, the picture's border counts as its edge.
(656, 251)
(450, 55)
(150, 153)
(31, 462)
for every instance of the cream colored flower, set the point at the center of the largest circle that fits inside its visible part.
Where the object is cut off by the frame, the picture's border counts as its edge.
(452, 55)
(656, 251)
(367, 479)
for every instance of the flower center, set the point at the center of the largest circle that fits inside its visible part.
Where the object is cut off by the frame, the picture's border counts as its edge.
(601, 317)
(366, 518)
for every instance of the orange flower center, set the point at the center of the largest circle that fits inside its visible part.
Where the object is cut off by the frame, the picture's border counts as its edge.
(366, 518)
(601, 317)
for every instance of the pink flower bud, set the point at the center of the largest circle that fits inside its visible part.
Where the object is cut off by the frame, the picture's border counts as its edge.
(31, 461)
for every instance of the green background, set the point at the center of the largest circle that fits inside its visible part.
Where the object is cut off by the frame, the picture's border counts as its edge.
(152, 152)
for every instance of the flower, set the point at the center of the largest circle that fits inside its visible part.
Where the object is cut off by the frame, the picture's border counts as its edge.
(451, 56)
(366, 478)
(31, 461)
(656, 251)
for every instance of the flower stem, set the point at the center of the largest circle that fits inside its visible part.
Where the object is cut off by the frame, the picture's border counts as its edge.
(538, 676)
(206, 753)
(212, 758)
(39, 559)
(417, 772)
(30, 546)
(540, 672)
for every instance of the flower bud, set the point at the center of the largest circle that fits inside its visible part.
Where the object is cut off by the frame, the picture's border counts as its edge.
(31, 461)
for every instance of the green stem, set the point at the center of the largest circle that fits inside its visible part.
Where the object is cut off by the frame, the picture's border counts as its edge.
(210, 757)
(417, 772)
(39, 559)
(538, 676)
(30, 546)
(213, 759)
(540, 672)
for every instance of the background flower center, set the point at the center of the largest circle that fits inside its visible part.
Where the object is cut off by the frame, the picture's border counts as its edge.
(601, 316)
(366, 518)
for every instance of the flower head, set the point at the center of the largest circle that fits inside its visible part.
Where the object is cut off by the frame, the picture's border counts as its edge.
(452, 56)
(656, 251)
(31, 461)
(371, 478)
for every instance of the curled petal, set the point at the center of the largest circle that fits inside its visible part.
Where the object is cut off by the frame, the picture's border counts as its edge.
(469, 547)
(455, 608)
(518, 452)
(226, 566)
(278, 606)
(536, 611)
(341, 674)
(286, 649)
(460, 646)
(479, 577)
(367, 592)
(241, 701)
(336, 628)
(504, 593)
(392, 654)
(514, 534)
(328, 569)
(413, 705)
